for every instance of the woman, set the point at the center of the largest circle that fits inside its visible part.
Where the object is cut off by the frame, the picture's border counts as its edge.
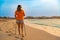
(19, 15)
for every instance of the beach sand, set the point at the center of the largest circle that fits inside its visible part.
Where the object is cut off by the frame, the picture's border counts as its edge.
(33, 32)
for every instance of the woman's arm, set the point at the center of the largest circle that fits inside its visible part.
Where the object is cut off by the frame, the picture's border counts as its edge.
(24, 13)
(15, 14)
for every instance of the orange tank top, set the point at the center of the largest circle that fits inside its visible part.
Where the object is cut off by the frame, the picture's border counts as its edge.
(19, 15)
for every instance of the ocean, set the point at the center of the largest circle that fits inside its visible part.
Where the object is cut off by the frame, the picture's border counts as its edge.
(46, 22)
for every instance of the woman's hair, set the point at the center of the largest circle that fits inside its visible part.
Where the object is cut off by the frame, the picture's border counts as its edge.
(19, 8)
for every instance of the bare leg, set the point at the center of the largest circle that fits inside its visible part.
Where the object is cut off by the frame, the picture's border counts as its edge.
(19, 28)
(22, 25)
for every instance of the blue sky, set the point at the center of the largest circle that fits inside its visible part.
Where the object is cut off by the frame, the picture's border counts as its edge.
(31, 7)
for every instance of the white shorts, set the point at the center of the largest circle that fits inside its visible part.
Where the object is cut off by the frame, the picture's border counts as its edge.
(19, 21)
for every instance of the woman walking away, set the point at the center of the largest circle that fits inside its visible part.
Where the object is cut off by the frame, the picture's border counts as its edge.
(19, 15)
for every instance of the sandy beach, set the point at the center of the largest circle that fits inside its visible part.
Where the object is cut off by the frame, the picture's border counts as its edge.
(33, 31)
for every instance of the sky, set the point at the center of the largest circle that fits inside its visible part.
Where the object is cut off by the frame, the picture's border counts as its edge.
(30, 7)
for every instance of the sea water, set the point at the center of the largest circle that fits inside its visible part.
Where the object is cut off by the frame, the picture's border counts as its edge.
(46, 22)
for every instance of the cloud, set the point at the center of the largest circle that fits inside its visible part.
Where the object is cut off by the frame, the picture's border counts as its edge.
(48, 7)
(45, 3)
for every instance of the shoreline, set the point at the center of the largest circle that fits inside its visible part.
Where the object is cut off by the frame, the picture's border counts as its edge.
(52, 30)
(37, 34)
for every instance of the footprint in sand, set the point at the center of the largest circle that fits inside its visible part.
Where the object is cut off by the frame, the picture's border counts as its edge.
(0, 29)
